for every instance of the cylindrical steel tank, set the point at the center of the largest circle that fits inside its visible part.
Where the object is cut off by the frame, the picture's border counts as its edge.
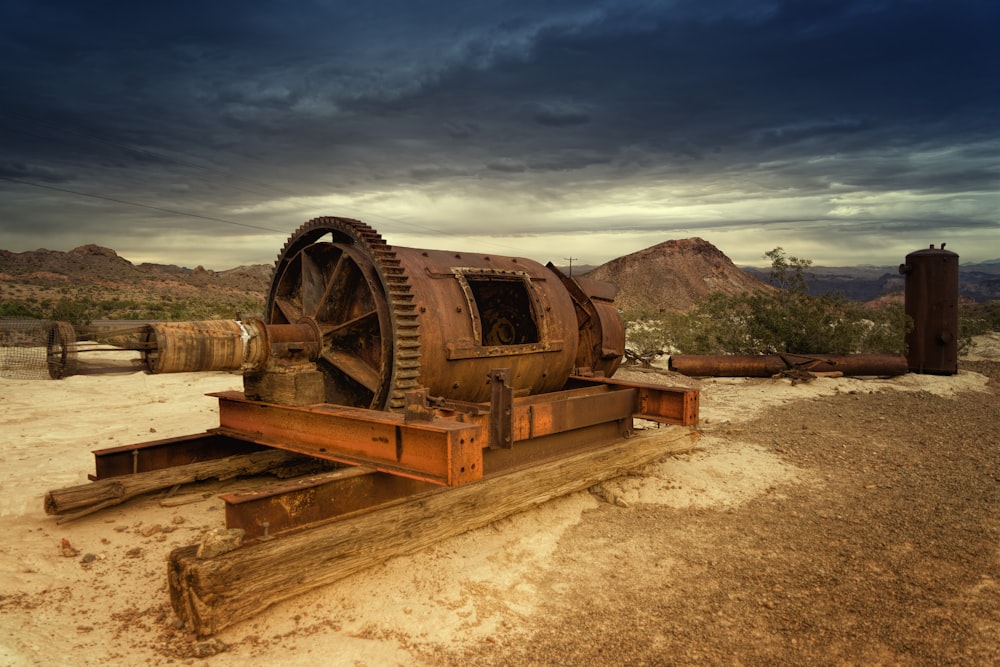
(225, 345)
(485, 312)
(931, 302)
(393, 319)
(177, 347)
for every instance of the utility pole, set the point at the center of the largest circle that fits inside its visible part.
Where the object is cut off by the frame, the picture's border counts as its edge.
(570, 260)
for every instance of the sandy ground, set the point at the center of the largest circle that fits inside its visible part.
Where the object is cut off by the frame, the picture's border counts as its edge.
(93, 592)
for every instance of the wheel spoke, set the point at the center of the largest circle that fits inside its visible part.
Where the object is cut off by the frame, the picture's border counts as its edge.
(335, 279)
(366, 323)
(289, 310)
(328, 275)
(313, 284)
(355, 368)
(342, 292)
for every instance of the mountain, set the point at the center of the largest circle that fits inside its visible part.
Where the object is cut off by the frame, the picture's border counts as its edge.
(978, 281)
(674, 276)
(93, 264)
(670, 276)
(988, 266)
(93, 282)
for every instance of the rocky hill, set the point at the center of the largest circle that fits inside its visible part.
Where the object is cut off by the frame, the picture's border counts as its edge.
(671, 277)
(674, 276)
(93, 282)
(93, 264)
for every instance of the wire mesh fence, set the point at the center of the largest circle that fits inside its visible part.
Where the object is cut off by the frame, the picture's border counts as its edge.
(36, 349)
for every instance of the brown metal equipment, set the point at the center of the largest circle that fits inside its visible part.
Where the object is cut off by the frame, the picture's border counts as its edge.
(440, 368)
(394, 319)
(931, 301)
(768, 365)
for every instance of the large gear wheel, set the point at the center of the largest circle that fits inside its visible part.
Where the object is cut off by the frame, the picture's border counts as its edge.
(340, 275)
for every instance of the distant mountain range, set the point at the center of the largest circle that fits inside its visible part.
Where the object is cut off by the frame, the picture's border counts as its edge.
(977, 281)
(94, 264)
(670, 276)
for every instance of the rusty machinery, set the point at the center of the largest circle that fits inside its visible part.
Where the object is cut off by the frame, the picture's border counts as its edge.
(931, 302)
(352, 321)
(423, 365)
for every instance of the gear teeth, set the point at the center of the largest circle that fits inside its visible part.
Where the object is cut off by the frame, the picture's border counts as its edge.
(403, 314)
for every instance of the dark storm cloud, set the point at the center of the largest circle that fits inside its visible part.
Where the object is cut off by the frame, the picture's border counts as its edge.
(559, 116)
(238, 110)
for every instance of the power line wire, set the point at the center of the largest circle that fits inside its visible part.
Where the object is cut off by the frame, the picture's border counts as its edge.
(171, 159)
(187, 163)
(147, 206)
(134, 149)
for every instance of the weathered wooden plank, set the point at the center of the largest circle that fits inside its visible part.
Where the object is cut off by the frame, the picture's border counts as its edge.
(77, 501)
(210, 594)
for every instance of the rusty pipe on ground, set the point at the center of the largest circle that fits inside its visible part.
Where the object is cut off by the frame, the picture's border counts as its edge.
(768, 365)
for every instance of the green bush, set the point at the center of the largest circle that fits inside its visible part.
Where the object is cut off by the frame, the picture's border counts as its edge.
(17, 309)
(73, 311)
(787, 320)
(81, 310)
(975, 319)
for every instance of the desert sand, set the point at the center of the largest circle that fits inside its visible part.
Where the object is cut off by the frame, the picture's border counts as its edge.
(93, 591)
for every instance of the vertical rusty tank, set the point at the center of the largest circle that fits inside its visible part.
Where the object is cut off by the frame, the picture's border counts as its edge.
(931, 301)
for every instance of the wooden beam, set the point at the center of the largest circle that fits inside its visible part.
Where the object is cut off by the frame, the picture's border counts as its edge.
(209, 594)
(77, 501)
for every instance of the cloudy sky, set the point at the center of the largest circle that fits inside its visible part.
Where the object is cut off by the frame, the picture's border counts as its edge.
(845, 131)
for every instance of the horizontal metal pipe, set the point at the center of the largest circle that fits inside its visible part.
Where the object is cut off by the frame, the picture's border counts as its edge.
(213, 345)
(766, 365)
(226, 345)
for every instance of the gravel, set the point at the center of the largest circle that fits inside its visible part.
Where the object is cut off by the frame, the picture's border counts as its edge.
(886, 550)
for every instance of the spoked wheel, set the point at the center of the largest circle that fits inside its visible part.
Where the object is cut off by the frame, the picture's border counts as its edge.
(334, 272)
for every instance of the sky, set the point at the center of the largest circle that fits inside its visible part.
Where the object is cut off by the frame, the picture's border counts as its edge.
(205, 133)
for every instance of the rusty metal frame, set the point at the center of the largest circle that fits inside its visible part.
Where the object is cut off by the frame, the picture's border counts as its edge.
(501, 431)
(279, 508)
(653, 402)
(440, 451)
(390, 456)
(473, 348)
(283, 507)
(167, 453)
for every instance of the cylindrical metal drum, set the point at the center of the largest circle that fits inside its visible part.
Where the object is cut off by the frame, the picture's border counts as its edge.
(395, 319)
(485, 312)
(213, 345)
(931, 302)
